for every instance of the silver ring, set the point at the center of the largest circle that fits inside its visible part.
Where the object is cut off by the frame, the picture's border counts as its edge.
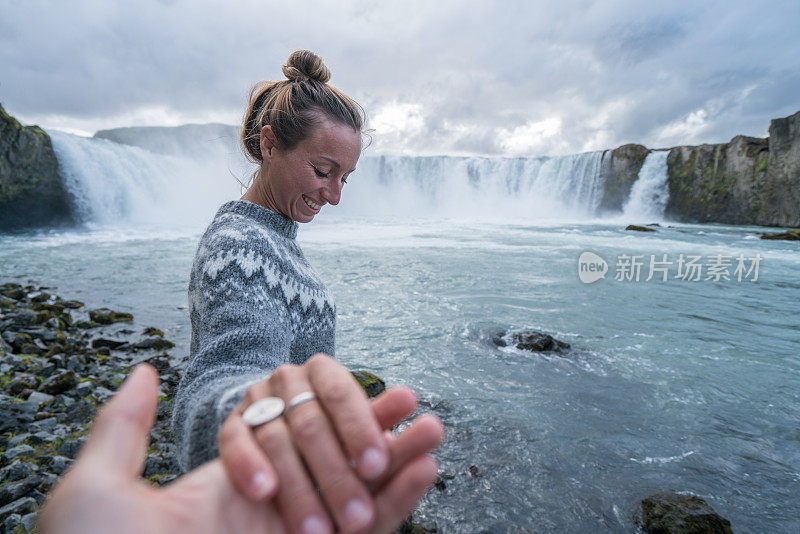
(300, 399)
(263, 411)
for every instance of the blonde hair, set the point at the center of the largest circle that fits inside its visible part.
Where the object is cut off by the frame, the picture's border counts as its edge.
(292, 107)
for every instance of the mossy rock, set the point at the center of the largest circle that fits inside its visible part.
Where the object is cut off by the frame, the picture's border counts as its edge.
(637, 228)
(372, 384)
(106, 316)
(152, 331)
(59, 383)
(790, 235)
(673, 513)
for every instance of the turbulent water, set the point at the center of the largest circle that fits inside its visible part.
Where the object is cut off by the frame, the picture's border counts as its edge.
(678, 384)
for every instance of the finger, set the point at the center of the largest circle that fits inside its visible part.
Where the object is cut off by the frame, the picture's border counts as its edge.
(245, 462)
(423, 435)
(121, 428)
(346, 404)
(297, 498)
(345, 494)
(396, 500)
(393, 405)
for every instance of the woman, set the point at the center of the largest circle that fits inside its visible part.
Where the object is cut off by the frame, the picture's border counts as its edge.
(262, 321)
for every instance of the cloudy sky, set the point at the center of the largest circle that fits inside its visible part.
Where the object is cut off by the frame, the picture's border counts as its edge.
(444, 77)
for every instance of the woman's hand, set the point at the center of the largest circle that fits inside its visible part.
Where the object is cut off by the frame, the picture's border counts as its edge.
(102, 493)
(334, 443)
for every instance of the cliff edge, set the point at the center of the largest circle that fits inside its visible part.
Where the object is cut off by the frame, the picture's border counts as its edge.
(31, 191)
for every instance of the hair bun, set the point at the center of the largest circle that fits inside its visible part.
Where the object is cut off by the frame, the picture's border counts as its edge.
(306, 65)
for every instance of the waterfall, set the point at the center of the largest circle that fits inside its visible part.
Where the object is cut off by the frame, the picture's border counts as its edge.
(649, 193)
(124, 184)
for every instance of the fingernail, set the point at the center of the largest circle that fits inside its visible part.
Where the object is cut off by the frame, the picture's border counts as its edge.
(357, 514)
(262, 485)
(373, 463)
(314, 525)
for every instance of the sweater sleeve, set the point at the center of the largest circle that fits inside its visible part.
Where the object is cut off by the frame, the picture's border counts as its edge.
(240, 332)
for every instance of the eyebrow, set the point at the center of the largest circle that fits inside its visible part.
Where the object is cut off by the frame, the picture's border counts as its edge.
(335, 162)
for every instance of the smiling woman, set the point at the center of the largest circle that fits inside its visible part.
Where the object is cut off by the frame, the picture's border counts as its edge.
(259, 312)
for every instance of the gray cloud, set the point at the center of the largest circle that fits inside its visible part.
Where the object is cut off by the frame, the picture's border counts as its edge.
(435, 77)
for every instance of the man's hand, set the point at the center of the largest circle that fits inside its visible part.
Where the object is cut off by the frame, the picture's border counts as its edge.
(102, 491)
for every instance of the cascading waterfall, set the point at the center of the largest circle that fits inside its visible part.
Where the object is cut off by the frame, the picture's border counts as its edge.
(121, 184)
(649, 193)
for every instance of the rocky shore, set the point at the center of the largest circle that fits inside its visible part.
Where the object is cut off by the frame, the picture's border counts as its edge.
(59, 362)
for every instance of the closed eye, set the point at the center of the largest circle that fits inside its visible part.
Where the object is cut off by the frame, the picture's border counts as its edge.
(320, 173)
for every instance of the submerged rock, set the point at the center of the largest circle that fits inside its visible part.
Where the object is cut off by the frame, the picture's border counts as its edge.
(673, 513)
(372, 384)
(790, 235)
(637, 228)
(529, 340)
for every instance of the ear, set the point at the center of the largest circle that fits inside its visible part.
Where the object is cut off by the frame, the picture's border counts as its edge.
(267, 143)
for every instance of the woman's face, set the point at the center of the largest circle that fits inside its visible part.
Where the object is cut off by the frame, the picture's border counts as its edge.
(299, 182)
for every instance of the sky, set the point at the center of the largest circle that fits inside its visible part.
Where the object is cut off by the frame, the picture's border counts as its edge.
(514, 78)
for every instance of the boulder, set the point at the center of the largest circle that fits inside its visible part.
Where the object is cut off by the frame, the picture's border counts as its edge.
(32, 193)
(673, 513)
(529, 340)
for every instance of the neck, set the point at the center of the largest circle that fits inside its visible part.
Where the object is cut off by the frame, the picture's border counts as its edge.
(260, 193)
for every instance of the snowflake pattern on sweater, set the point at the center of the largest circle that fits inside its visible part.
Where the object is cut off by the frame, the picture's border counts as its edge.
(255, 303)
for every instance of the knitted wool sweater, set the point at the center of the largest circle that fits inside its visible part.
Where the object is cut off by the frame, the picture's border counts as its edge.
(255, 303)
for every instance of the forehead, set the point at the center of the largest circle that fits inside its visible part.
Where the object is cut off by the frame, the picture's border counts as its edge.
(334, 140)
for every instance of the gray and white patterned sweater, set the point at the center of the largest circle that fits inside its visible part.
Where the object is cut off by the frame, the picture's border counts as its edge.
(255, 303)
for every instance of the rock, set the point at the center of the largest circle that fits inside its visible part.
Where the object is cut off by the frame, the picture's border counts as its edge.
(619, 172)
(638, 228)
(29, 521)
(672, 513)
(154, 343)
(59, 464)
(12, 523)
(31, 190)
(11, 491)
(17, 340)
(152, 331)
(12, 291)
(15, 415)
(791, 235)
(476, 472)
(19, 450)
(530, 340)
(59, 382)
(71, 447)
(20, 382)
(17, 470)
(19, 438)
(112, 344)
(40, 398)
(44, 425)
(106, 316)
(82, 410)
(372, 384)
(101, 394)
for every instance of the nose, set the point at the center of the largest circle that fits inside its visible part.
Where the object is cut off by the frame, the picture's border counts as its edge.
(332, 192)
